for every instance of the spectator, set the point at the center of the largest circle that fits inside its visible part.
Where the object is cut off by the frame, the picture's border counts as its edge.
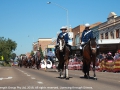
(109, 56)
(116, 56)
(75, 58)
(100, 57)
(50, 55)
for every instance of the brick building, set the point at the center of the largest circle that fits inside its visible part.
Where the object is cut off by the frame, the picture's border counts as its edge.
(77, 32)
(44, 42)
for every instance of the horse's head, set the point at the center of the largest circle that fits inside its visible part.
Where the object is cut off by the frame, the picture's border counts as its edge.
(61, 43)
(93, 45)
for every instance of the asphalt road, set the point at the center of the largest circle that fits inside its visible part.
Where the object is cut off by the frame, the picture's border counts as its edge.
(15, 78)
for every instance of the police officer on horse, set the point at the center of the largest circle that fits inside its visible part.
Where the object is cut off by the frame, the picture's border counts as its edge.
(66, 38)
(86, 35)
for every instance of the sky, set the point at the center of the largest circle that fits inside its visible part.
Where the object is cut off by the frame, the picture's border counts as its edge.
(24, 21)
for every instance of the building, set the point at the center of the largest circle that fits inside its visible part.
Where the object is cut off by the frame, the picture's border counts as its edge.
(95, 30)
(35, 46)
(109, 33)
(77, 33)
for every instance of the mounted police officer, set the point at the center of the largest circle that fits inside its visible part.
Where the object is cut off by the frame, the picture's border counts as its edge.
(66, 38)
(86, 35)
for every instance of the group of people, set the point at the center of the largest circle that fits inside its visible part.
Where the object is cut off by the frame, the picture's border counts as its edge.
(109, 56)
(86, 35)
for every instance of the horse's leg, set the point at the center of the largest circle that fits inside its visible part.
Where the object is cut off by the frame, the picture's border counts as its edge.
(61, 66)
(88, 69)
(84, 69)
(66, 69)
(94, 62)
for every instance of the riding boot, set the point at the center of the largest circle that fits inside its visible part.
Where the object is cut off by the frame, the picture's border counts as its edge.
(70, 50)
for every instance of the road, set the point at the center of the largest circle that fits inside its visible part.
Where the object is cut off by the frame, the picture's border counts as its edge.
(15, 78)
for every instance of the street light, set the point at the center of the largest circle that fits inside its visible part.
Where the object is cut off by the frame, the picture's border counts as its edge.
(62, 8)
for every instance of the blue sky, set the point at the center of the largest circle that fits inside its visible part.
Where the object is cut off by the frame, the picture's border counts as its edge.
(24, 21)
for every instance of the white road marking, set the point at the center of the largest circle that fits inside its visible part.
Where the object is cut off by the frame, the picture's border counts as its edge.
(40, 82)
(25, 73)
(32, 78)
(6, 78)
(28, 75)
(118, 81)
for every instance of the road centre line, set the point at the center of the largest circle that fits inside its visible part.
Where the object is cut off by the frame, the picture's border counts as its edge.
(28, 75)
(40, 82)
(6, 78)
(32, 78)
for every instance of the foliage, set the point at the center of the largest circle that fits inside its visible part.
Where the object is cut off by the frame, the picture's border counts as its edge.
(32, 53)
(40, 49)
(22, 55)
(13, 56)
(7, 46)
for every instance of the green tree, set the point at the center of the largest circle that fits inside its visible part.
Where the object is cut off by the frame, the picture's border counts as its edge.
(13, 56)
(7, 46)
(32, 53)
(40, 49)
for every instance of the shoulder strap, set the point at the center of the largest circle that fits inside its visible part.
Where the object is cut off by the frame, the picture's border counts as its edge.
(64, 34)
(87, 32)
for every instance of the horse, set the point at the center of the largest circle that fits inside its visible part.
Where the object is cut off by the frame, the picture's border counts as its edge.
(38, 59)
(25, 61)
(89, 55)
(62, 52)
(20, 63)
(32, 61)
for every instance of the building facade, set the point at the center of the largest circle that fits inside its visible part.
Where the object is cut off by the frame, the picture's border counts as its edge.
(109, 33)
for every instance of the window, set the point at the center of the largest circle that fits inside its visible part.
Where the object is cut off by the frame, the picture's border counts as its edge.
(102, 36)
(106, 35)
(112, 34)
(117, 33)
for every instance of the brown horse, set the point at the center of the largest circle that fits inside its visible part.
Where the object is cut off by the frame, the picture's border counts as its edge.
(25, 61)
(38, 59)
(89, 55)
(62, 53)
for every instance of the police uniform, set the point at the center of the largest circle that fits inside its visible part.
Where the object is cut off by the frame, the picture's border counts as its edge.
(86, 35)
(66, 38)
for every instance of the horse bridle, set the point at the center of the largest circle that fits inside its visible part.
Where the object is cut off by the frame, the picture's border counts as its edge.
(60, 44)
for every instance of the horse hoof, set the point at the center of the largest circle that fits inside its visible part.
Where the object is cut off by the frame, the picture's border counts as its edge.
(67, 78)
(61, 76)
(95, 78)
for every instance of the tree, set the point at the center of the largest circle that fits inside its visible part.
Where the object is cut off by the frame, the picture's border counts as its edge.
(41, 52)
(32, 53)
(13, 56)
(7, 46)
